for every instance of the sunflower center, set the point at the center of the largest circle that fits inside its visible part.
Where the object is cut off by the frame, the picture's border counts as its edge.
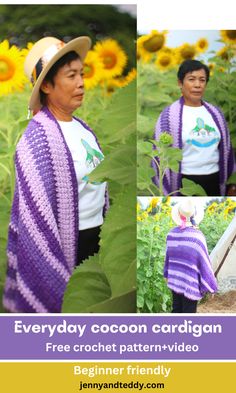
(153, 44)
(224, 54)
(7, 68)
(165, 60)
(231, 34)
(202, 44)
(188, 52)
(88, 71)
(109, 60)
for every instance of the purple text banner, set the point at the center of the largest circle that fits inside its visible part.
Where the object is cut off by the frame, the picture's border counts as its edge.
(117, 337)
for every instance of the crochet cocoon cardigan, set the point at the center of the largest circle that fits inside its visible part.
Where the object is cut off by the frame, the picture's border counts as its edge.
(43, 230)
(170, 120)
(187, 264)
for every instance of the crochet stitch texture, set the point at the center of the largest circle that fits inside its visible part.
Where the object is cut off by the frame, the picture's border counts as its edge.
(187, 265)
(43, 230)
(170, 120)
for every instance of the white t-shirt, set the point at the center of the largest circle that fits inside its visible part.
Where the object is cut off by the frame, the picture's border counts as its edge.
(86, 156)
(200, 137)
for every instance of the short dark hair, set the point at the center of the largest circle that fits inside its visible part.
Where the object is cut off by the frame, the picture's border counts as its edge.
(66, 59)
(190, 66)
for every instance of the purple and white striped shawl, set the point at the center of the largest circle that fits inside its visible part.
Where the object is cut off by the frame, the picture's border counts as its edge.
(170, 120)
(187, 265)
(43, 230)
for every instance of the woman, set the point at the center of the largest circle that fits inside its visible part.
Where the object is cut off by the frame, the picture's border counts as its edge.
(57, 213)
(187, 266)
(199, 129)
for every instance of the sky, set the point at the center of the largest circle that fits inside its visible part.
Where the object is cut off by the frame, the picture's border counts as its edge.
(176, 38)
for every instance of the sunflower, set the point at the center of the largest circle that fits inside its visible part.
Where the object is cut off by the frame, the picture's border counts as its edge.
(221, 69)
(142, 53)
(93, 70)
(130, 76)
(109, 86)
(149, 44)
(202, 45)
(154, 202)
(185, 52)
(12, 77)
(123, 81)
(166, 200)
(165, 60)
(112, 56)
(211, 67)
(155, 41)
(228, 36)
(225, 53)
(26, 50)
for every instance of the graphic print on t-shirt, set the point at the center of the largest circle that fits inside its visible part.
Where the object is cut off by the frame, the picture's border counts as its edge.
(93, 159)
(203, 135)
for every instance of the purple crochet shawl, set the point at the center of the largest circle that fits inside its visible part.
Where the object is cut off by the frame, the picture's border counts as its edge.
(43, 230)
(187, 265)
(170, 120)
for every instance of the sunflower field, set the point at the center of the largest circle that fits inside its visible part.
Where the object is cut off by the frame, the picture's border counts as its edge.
(153, 224)
(157, 88)
(108, 94)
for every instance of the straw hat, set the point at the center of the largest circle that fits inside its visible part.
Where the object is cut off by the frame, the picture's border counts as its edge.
(188, 209)
(43, 55)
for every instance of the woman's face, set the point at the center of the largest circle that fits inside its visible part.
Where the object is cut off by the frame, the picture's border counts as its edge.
(193, 87)
(67, 93)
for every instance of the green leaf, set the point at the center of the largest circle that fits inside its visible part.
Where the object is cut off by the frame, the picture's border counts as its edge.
(190, 188)
(87, 287)
(173, 165)
(145, 124)
(118, 245)
(174, 153)
(125, 303)
(145, 147)
(145, 173)
(119, 119)
(118, 166)
(232, 179)
(140, 301)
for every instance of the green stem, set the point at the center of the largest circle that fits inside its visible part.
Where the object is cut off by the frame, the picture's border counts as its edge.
(173, 192)
(229, 100)
(151, 192)
(159, 166)
(151, 245)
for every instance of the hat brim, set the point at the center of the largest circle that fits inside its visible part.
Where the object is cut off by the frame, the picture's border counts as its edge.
(81, 45)
(198, 217)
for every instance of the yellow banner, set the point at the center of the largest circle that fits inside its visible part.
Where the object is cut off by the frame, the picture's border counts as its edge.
(119, 377)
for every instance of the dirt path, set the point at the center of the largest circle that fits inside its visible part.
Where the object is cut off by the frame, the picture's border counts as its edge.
(221, 303)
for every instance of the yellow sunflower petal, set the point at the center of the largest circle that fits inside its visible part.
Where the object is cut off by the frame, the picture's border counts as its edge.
(93, 70)
(148, 45)
(202, 45)
(165, 60)
(112, 56)
(123, 81)
(228, 36)
(12, 76)
(186, 51)
(225, 53)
